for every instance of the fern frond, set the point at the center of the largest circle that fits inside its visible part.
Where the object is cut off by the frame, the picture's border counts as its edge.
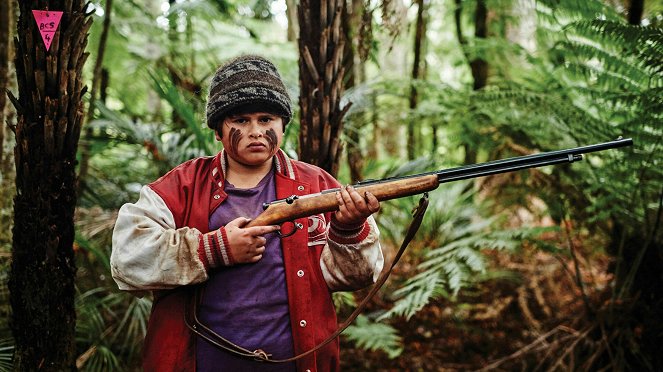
(557, 11)
(598, 60)
(6, 354)
(415, 294)
(375, 336)
(642, 45)
(133, 325)
(343, 299)
(454, 255)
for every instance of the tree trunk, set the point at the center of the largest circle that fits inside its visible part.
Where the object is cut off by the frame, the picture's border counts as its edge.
(50, 114)
(291, 14)
(478, 66)
(635, 10)
(413, 128)
(355, 75)
(321, 72)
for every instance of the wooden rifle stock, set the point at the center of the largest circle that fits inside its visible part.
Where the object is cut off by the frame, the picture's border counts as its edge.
(294, 207)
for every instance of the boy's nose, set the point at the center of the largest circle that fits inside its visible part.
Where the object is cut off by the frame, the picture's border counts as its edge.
(254, 129)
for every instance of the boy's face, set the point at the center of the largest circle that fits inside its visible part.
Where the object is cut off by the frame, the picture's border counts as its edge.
(251, 139)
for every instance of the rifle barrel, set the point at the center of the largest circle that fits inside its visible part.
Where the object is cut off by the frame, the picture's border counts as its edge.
(527, 161)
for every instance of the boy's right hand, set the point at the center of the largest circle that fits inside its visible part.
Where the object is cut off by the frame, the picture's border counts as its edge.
(247, 245)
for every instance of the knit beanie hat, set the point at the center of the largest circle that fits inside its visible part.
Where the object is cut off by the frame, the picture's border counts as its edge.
(247, 80)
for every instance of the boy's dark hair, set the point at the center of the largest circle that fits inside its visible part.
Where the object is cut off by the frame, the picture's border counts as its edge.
(247, 81)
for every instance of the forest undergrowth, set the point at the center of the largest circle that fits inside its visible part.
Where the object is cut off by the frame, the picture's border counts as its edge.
(527, 317)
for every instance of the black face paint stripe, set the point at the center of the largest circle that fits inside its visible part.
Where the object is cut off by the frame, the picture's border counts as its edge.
(235, 136)
(272, 139)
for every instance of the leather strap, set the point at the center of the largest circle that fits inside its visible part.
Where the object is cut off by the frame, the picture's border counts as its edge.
(197, 327)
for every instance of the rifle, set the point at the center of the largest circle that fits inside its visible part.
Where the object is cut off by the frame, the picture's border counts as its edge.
(295, 206)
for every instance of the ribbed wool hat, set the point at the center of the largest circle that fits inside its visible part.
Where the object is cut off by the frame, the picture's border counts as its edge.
(247, 80)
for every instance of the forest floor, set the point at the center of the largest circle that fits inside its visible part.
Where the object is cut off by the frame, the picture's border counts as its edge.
(500, 325)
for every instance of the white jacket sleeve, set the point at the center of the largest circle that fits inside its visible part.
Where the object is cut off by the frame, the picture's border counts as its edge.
(149, 252)
(354, 260)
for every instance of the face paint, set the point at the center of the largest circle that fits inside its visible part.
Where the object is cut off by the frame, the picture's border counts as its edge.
(272, 140)
(235, 136)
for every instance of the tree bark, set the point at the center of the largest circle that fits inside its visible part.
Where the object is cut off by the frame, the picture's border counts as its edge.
(321, 72)
(635, 10)
(50, 114)
(478, 66)
(291, 14)
(413, 129)
(354, 67)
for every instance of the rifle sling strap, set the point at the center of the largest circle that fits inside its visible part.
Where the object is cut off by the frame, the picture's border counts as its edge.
(197, 327)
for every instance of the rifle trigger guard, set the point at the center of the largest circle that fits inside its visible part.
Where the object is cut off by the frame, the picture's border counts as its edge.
(295, 226)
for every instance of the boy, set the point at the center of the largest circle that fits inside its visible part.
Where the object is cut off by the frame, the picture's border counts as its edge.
(260, 291)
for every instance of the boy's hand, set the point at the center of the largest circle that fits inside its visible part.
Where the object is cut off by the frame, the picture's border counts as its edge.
(247, 244)
(353, 208)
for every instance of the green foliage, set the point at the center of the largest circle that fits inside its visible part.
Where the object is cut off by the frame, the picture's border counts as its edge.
(110, 329)
(343, 300)
(375, 336)
(111, 324)
(6, 354)
(186, 109)
(589, 78)
(455, 237)
(596, 78)
(6, 339)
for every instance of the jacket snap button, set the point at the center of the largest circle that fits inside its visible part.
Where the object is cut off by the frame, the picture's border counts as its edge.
(217, 197)
(300, 188)
(300, 273)
(302, 323)
(299, 225)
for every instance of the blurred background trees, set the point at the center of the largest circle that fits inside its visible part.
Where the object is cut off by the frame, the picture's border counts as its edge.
(553, 268)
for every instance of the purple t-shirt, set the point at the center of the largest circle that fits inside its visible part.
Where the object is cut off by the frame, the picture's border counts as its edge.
(247, 303)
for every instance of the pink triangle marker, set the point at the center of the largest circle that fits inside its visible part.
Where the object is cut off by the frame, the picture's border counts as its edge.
(47, 22)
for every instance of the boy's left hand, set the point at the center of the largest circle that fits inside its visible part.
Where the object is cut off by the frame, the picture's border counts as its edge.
(353, 208)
